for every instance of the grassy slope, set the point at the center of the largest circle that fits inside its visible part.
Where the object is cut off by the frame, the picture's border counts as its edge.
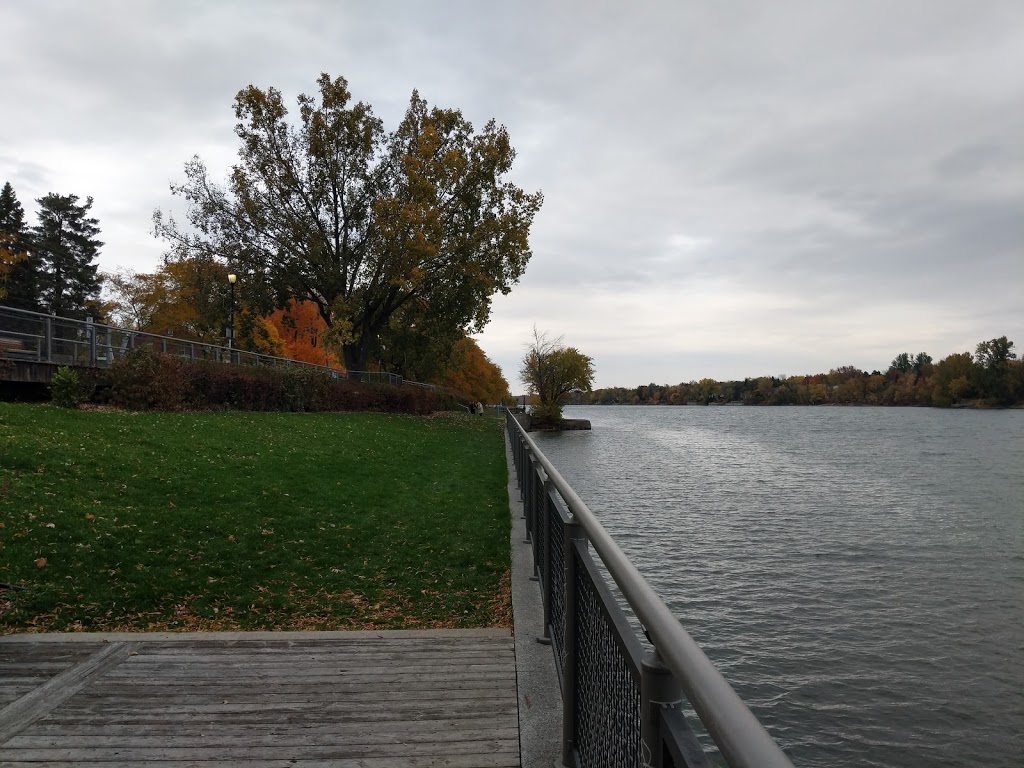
(250, 520)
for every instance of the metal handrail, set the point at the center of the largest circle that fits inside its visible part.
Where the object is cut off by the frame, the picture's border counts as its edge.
(739, 735)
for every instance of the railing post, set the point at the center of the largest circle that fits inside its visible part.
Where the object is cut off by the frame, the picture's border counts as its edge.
(657, 689)
(108, 348)
(48, 338)
(573, 533)
(91, 330)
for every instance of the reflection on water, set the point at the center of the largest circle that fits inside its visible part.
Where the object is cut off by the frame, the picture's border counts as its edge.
(856, 573)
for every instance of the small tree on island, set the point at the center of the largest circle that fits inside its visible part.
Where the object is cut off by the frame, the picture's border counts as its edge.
(551, 371)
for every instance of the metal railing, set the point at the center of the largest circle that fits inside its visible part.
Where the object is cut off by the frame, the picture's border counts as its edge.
(622, 705)
(36, 337)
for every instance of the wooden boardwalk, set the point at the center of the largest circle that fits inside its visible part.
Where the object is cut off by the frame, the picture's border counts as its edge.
(260, 700)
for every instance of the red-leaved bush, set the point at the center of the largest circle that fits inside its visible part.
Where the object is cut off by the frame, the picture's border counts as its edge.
(144, 380)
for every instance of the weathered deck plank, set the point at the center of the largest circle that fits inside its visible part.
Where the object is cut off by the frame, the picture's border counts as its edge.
(496, 760)
(374, 700)
(23, 668)
(21, 713)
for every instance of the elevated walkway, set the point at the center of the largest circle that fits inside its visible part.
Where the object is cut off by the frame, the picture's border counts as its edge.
(34, 345)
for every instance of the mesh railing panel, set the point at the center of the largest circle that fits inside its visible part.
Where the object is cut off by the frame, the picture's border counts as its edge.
(555, 539)
(69, 343)
(22, 333)
(526, 493)
(538, 517)
(543, 539)
(607, 698)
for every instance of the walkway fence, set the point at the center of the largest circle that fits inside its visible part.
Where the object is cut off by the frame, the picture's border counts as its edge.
(622, 705)
(40, 338)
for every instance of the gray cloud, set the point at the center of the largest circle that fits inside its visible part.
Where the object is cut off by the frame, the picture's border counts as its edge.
(731, 189)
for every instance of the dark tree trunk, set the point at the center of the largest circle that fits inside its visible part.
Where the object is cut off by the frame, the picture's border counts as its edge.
(354, 357)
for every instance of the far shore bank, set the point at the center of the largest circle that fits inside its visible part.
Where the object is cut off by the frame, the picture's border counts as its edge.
(971, 406)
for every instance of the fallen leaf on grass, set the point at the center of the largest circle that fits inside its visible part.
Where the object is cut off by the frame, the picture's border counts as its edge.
(40, 562)
(51, 525)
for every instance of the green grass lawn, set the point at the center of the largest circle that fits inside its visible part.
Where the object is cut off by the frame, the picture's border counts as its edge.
(115, 520)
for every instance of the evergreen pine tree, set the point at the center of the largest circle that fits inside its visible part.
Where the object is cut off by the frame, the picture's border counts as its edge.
(65, 241)
(19, 266)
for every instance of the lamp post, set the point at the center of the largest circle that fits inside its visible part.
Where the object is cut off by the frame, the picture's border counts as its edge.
(231, 313)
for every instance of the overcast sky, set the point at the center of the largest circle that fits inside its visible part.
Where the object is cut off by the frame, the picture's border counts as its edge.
(731, 189)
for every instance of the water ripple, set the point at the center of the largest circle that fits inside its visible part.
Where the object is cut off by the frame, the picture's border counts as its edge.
(855, 573)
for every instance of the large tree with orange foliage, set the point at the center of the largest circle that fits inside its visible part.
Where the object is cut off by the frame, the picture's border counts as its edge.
(473, 374)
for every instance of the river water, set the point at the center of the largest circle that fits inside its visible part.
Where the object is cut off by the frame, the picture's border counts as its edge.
(857, 574)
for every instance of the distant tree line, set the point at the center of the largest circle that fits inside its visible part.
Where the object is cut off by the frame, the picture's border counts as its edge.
(992, 376)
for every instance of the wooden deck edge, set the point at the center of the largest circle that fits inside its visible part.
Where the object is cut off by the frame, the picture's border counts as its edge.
(191, 637)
